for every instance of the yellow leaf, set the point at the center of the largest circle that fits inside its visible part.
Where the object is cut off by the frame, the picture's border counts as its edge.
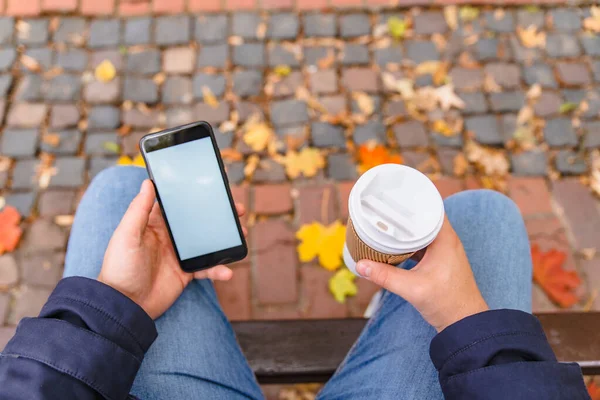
(282, 70)
(451, 16)
(468, 13)
(427, 68)
(209, 97)
(397, 27)
(443, 128)
(124, 160)
(530, 37)
(257, 135)
(307, 161)
(324, 242)
(342, 285)
(105, 71)
(365, 102)
(138, 161)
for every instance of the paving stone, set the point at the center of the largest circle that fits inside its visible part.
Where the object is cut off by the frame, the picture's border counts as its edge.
(373, 130)
(341, 167)
(592, 134)
(360, 79)
(325, 135)
(70, 30)
(574, 95)
(317, 301)
(505, 75)
(211, 28)
(235, 297)
(9, 272)
(246, 24)
(142, 119)
(247, 83)
(591, 45)
(429, 22)
(410, 134)
(213, 116)
(56, 202)
(249, 55)
(216, 83)
(104, 117)
(36, 34)
(288, 112)
(62, 88)
(72, 60)
(177, 90)
(419, 51)
(43, 56)
(559, 132)
(334, 104)
(23, 202)
(313, 54)
(419, 160)
(7, 25)
(113, 56)
(485, 128)
(281, 55)
(68, 145)
(573, 74)
(235, 172)
(213, 56)
(224, 139)
(145, 62)
(355, 54)
(500, 23)
(24, 174)
(5, 84)
(531, 195)
(319, 25)
(95, 143)
(596, 70)
(298, 133)
(388, 55)
(70, 172)
(446, 157)
(179, 115)
(3, 179)
(63, 116)
(27, 114)
(529, 163)
(178, 60)
(29, 88)
(283, 26)
(540, 73)
(7, 58)
(562, 45)
(314, 198)
(104, 33)
(98, 164)
(592, 100)
(466, 79)
(44, 269)
(354, 25)
(570, 163)
(508, 127)
(138, 31)
(447, 141)
(28, 303)
(269, 171)
(523, 54)
(565, 20)
(130, 144)
(273, 199)
(527, 18)
(580, 210)
(102, 92)
(487, 49)
(507, 101)
(140, 90)
(475, 103)
(172, 30)
(547, 104)
(324, 81)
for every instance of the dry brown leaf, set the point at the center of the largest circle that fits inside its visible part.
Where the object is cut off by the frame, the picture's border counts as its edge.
(461, 165)
(403, 86)
(327, 61)
(143, 108)
(365, 102)
(498, 14)
(228, 126)
(525, 115)
(440, 76)
(64, 220)
(380, 30)
(230, 154)
(5, 163)
(425, 99)
(595, 172)
(466, 61)
(51, 139)
(251, 165)
(470, 40)
(53, 72)
(588, 253)
(592, 23)
(235, 40)
(261, 30)
(441, 127)
(440, 41)
(303, 94)
(159, 78)
(490, 162)
(490, 85)
(448, 98)
(451, 16)
(427, 67)
(124, 130)
(209, 97)
(531, 38)
(30, 63)
(23, 29)
(534, 92)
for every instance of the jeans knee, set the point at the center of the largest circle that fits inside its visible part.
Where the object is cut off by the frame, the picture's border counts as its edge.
(118, 176)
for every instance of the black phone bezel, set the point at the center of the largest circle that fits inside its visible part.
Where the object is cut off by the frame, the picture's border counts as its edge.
(179, 135)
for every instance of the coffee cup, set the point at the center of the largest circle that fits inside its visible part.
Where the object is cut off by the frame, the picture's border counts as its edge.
(394, 211)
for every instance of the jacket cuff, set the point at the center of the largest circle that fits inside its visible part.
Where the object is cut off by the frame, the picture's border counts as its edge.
(486, 335)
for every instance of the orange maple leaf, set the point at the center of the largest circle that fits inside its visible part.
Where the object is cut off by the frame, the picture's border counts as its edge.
(371, 155)
(552, 278)
(10, 232)
(593, 390)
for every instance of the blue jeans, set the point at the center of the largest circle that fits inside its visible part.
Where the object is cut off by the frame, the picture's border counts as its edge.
(196, 355)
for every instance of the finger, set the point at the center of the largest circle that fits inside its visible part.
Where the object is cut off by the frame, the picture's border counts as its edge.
(218, 273)
(240, 208)
(390, 277)
(136, 217)
(245, 231)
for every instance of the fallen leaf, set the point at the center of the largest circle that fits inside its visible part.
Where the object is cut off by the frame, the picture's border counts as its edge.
(303, 94)
(105, 71)
(534, 92)
(440, 42)
(137, 161)
(525, 115)
(371, 155)
(209, 97)
(440, 76)
(425, 98)
(159, 78)
(230, 154)
(257, 134)
(532, 9)
(468, 13)
(10, 231)
(307, 162)
(595, 175)
(342, 285)
(466, 61)
(441, 127)
(525, 137)
(45, 170)
(498, 14)
(549, 274)
(490, 85)
(324, 242)
(5, 163)
(592, 23)
(451, 16)
(593, 390)
(251, 165)
(365, 102)
(490, 162)
(23, 29)
(567, 107)
(427, 68)
(235, 40)
(2, 202)
(448, 98)
(403, 86)
(460, 165)
(588, 253)
(112, 147)
(53, 72)
(397, 27)
(51, 139)
(124, 130)
(590, 301)
(282, 70)
(261, 30)
(64, 220)
(327, 61)
(30, 63)
(531, 38)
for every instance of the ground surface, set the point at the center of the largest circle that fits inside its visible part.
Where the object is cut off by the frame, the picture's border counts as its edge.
(163, 61)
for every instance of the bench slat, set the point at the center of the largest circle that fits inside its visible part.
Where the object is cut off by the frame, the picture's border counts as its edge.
(302, 351)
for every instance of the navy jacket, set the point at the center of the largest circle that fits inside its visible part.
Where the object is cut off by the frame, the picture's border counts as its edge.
(89, 341)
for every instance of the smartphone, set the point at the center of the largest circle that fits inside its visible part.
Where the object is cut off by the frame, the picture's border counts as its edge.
(192, 189)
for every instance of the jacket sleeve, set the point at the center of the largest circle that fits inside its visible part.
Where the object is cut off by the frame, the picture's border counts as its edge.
(87, 343)
(502, 354)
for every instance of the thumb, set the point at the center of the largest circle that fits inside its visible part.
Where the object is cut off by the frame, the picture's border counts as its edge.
(392, 278)
(136, 218)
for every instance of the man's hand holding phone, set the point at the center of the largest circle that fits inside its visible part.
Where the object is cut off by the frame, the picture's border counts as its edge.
(140, 261)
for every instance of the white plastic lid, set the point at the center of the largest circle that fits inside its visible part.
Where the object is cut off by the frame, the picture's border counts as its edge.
(396, 209)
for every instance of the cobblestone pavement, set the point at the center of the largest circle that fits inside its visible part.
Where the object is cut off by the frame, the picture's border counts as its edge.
(47, 87)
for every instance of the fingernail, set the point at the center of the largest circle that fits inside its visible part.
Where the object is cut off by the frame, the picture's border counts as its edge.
(363, 269)
(143, 187)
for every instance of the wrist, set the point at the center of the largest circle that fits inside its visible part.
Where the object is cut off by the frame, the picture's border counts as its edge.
(466, 310)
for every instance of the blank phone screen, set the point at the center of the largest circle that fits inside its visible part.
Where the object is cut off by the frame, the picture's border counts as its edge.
(194, 198)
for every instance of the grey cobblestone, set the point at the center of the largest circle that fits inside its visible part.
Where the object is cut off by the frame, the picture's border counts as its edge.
(410, 134)
(507, 101)
(23, 202)
(68, 145)
(486, 129)
(24, 174)
(570, 163)
(500, 22)
(19, 142)
(246, 24)
(138, 31)
(562, 45)
(420, 51)
(280, 55)
(319, 25)
(213, 56)
(140, 90)
(177, 90)
(326, 135)
(145, 62)
(104, 117)
(340, 166)
(172, 30)
(211, 28)
(429, 22)
(531, 163)
(249, 55)
(565, 20)
(70, 30)
(373, 130)
(247, 83)
(283, 26)
(7, 25)
(216, 84)
(96, 143)
(540, 73)
(355, 54)
(104, 33)
(36, 33)
(559, 132)
(354, 25)
(72, 60)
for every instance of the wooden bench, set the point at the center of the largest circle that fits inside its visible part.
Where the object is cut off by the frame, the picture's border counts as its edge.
(303, 351)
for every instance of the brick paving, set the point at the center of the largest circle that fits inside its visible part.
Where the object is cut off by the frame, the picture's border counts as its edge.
(164, 54)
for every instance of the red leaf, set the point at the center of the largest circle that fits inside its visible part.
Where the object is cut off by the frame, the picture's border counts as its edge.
(10, 232)
(593, 390)
(548, 272)
(371, 155)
